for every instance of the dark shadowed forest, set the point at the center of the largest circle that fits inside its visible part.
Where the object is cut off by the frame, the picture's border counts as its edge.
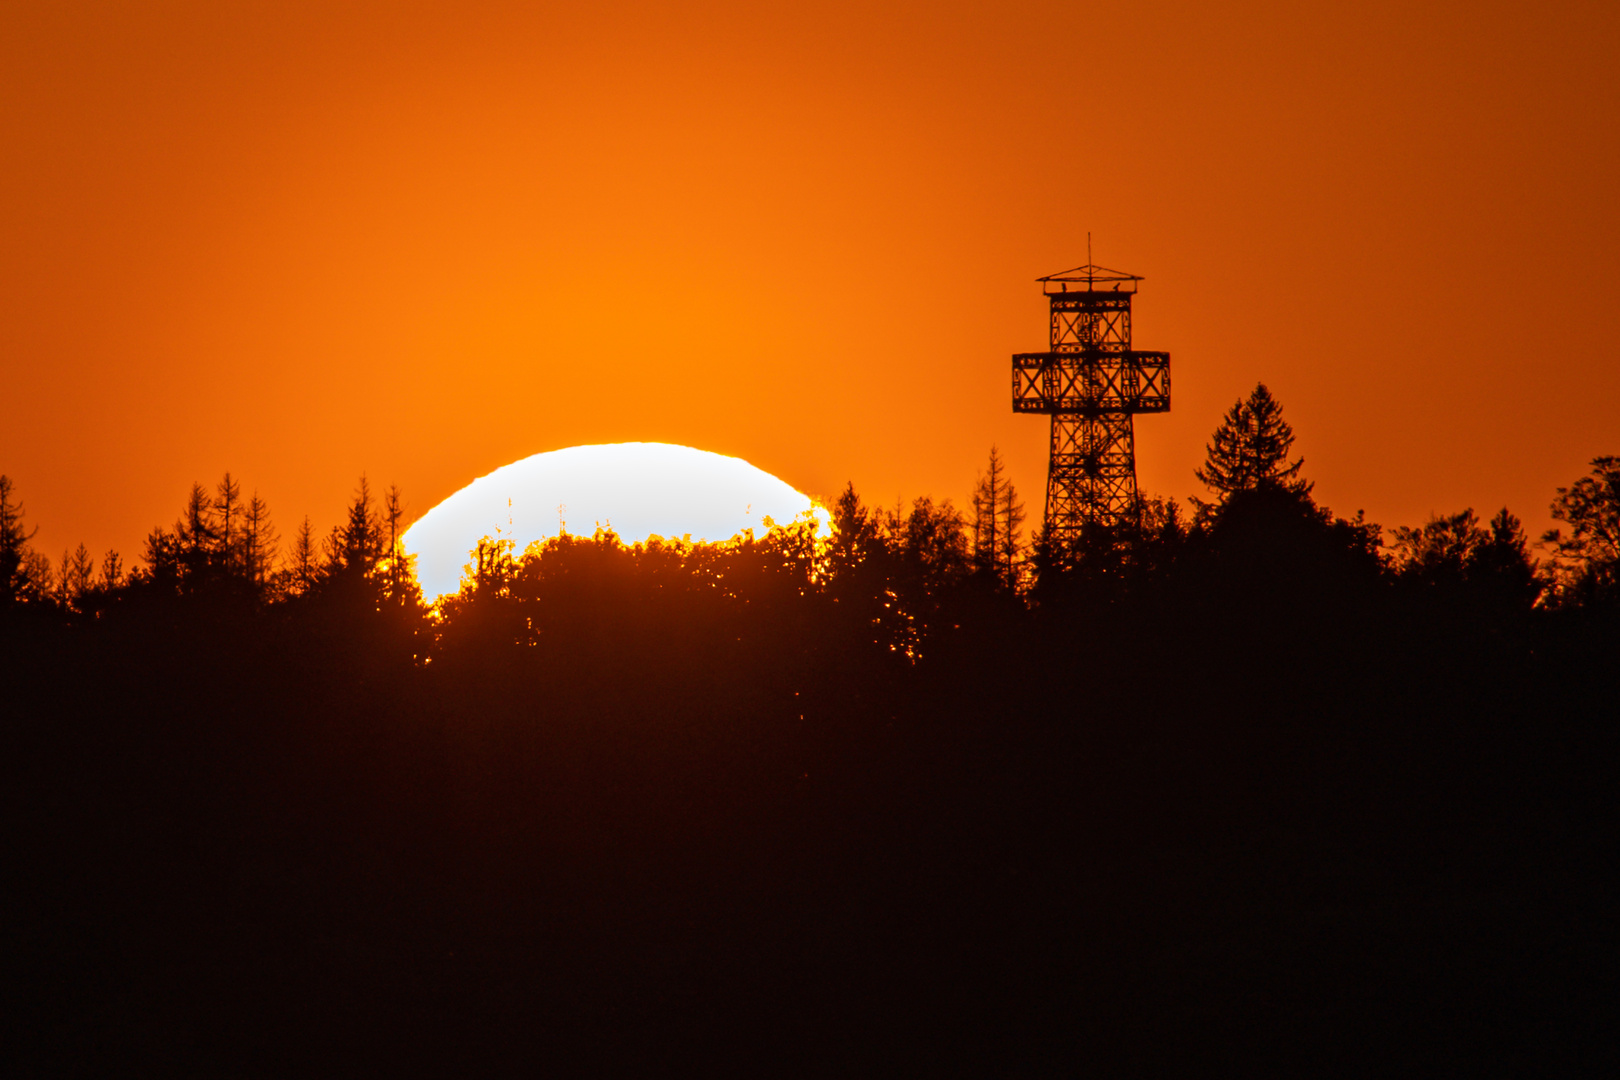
(1252, 787)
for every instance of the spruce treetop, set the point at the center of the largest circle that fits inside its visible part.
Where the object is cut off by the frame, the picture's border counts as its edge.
(1250, 449)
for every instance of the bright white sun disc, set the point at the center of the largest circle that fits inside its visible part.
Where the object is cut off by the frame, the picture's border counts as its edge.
(639, 489)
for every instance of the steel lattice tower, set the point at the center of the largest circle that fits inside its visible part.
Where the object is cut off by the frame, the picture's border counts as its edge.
(1091, 383)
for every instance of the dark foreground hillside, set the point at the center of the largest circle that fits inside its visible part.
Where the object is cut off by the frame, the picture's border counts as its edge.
(1240, 815)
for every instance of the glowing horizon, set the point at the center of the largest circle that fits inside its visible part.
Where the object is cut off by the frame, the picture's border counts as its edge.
(638, 489)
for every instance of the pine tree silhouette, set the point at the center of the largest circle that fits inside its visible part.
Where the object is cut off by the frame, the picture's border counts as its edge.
(360, 536)
(197, 539)
(1250, 450)
(259, 541)
(304, 560)
(112, 571)
(16, 562)
(986, 510)
(77, 577)
(996, 522)
(228, 515)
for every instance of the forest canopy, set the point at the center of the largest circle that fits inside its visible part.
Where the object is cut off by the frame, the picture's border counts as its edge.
(924, 792)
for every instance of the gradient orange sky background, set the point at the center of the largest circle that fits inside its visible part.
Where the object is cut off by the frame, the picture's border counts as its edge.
(422, 241)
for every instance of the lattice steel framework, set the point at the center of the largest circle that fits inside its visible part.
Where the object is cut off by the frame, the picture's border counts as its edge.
(1091, 383)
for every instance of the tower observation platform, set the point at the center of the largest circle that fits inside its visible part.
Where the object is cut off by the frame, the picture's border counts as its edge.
(1092, 383)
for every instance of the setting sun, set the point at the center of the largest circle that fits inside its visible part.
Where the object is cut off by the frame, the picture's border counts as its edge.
(637, 489)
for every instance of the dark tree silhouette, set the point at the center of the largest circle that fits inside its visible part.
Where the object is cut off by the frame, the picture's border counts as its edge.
(258, 546)
(1011, 553)
(76, 577)
(1103, 564)
(220, 546)
(351, 598)
(232, 559)
(931, 558)
(1457, 553)
(1440, 549)
(1586, 563)
(996, 521)
(162, 556)
(933, 537)
(859, 570)
(360, 539)
(986, 518)
(19, 565)
(1250, 448)
(1504, 562)
(304, 560)
(1234, 789)
(855, 537)
(397, 564)
(198, 541)
(112, 571)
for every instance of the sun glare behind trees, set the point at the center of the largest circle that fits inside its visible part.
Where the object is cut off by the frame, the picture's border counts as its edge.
(635, 489)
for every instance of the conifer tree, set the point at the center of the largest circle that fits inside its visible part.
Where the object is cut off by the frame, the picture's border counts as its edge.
(304, 559)
(1506, 560)
(1011, 545)
(358, 539)
(76, 577)
(933, 537)
(1456, 551)
(855, 536)
(162, 557)
(228, 516)
(18, 563)
(986, 511)
(112, 571)
(1250, 450)
(197, 539)
(258, 545)
(997, 518)
(394, 522)
(62, 593)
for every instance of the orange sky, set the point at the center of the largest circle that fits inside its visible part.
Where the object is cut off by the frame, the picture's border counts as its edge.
(422, 241)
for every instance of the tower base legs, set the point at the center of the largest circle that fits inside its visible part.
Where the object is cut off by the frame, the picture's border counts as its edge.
(1092, 477)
